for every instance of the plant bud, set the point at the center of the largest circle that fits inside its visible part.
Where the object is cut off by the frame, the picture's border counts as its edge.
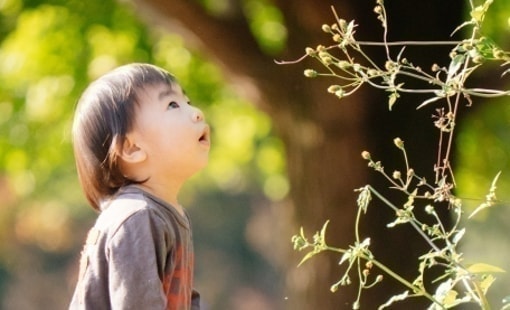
(343, 25)
(342, 64)
(365, 155)
(467, 46)
(499, 54)
(389, 65)
(356, 305)
(340, 93)
(334, 287)
(366, 272)
(372, 72)
(310, 51)
(323, 54)
(326, 28)
(399, 143)
(310, 73)
(333, 89)
(478, 59)
(327, 60)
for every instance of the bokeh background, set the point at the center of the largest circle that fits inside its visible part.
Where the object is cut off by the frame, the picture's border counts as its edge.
(285, 154)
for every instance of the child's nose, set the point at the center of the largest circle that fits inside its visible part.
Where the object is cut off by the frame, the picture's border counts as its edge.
(198, 115)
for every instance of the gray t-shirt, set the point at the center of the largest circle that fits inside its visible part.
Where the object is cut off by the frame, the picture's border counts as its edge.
(138, 255)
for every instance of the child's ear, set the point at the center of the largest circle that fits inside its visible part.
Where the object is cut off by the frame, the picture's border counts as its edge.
(131, 152)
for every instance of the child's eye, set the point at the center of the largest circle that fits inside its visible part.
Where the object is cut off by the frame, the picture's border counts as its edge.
(173, 105)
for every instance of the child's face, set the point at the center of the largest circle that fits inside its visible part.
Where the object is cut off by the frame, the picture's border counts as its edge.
(173, 133)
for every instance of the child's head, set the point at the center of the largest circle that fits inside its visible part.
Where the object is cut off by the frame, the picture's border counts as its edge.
(104, 115)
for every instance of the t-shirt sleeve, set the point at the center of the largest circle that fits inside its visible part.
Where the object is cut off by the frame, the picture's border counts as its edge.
(134, 259)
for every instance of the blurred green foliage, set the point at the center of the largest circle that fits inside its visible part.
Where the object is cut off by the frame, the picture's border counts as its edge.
(483, 145)
(49, 52)
(483, 150)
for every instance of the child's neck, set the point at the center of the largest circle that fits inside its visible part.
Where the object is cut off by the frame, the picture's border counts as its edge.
(164, 192)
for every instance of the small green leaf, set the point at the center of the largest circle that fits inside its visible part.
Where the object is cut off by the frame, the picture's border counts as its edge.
(450, 299)
(323, 232)
(458, 236)
(426, 102)
(484, 268)
(461, 26)
(365, 243)
(455, 65)
(478, 13)
(392, 98)
(486, 283)
(347, 256)
(307, 257)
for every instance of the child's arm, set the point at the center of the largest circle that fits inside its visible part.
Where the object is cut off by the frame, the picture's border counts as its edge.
(134, 262)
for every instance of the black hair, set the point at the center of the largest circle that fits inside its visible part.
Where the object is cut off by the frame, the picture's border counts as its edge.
(104, 115)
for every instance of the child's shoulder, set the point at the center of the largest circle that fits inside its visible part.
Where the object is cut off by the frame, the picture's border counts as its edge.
(122, 207)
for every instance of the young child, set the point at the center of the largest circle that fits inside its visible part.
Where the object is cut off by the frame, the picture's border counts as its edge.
(136, 141)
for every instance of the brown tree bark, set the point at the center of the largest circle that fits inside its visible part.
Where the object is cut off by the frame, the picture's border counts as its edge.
(323, 136)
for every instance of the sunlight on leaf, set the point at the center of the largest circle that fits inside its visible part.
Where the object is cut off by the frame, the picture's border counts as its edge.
(484, 268)
(486, 283)
(393, 299)
(306, 257)
(459, 236)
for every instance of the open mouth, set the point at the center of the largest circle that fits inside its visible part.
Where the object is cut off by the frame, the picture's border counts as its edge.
(205, 137)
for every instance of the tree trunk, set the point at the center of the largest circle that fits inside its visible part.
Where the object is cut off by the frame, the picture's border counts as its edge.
(323, 136)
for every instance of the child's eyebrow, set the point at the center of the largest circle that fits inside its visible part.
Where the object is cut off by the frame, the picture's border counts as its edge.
(165, 93)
